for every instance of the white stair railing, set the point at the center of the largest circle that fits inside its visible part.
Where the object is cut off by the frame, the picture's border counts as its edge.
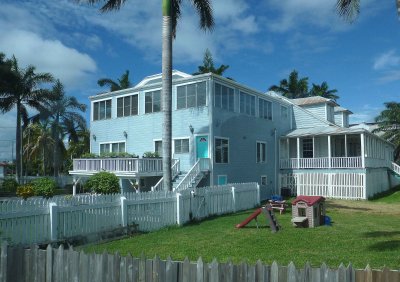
(175, 170)
(396, 168)
(201, 165)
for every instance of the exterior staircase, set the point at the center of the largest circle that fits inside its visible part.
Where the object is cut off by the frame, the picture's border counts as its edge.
(396, 169)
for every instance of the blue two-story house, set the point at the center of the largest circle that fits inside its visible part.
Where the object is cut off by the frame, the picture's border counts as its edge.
(225, 132)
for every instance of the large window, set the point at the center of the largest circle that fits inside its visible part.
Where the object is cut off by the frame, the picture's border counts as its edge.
(308, 148)
(152, 101)
(265, 109)
(127, 106)
(261, 152)
(158, 147)
(224, 97)
(181, 146)
(117, 147)
(247, 104)
(221, 150)
(102, 110)
(191, 95)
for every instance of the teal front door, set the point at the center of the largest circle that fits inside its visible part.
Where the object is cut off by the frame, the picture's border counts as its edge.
(201, 146)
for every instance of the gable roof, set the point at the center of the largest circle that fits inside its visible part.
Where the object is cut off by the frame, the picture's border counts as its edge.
(339, 109)
(309, 200)
(156, 78)
(313, 101)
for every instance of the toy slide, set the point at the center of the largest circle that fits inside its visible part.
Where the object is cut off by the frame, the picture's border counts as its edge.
(250, 218)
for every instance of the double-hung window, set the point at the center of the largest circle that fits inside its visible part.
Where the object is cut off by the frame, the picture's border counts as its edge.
(152, 101)
(102, 110)
(265, 109)
(224, 97)
(191, 95)
(221, 150)
(116, 147)
(308, 148)
(181, 146)
(127, 106)
(261, 156)
(247, 104)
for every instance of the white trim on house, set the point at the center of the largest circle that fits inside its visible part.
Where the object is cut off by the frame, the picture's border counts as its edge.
(180, 138)
(110, 147)
(265, 152)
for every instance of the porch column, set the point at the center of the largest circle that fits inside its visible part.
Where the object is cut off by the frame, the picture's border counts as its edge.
(298, 152)
(313, 146)
(362, 139)
(329, 151)
(345, 145)
(288, 147)
(138, 184)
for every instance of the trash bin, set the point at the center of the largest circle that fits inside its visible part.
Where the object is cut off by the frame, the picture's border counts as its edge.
(327, 220)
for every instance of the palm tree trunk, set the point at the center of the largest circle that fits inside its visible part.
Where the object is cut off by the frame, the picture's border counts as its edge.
(18, 145)
(166, 93)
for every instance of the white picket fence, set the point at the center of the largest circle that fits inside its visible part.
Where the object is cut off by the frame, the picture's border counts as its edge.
(39, 220)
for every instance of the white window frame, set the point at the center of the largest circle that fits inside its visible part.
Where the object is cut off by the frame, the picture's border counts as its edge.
(110, 145)
(268, 114)
(240, 104)
(123, 108)
(102, 100)
(187, 84)
(154, 145)
(152, 101)
(182, 138)
(215, 97)
(265, 152)
(215, 150)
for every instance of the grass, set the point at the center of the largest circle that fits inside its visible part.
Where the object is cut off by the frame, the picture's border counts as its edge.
(361, 233)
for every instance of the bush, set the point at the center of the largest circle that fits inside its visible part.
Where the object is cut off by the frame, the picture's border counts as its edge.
(44, 187)
(103, 183)
(151, 155)
(25, 191)
(9, 185)
(89, 156)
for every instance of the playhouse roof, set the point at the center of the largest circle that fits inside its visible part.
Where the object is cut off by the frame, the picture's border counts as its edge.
(309, 200)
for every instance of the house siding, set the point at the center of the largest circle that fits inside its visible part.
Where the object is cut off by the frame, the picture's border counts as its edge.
(303, 119)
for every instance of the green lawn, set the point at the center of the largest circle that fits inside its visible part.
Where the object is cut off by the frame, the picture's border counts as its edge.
(361, 233)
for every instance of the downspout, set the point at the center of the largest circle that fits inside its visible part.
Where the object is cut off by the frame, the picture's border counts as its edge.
(276, 162)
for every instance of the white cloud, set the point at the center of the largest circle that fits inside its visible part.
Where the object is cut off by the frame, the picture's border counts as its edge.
(365, 113)
(387, 60)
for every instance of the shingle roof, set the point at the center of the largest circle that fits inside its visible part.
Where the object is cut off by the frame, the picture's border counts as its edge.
(341, 109)
(312, 101)
(323, 130)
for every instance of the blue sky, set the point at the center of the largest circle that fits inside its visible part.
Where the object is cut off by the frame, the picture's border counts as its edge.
(261, 40)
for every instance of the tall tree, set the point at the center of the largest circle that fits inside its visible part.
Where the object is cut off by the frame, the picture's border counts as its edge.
(389, 125)
(208, 65)
(23, 89)
(171, 13)
(64, 118)
(293, 87)
(349, 9)
(123, 82)
(323, 91)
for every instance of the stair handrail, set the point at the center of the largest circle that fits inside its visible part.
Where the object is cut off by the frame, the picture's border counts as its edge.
(175, 169)
(189, 177)
(396, 168)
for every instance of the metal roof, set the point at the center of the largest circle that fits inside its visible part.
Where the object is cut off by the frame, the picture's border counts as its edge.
(323, 130)
(312, 101)
(341, 109)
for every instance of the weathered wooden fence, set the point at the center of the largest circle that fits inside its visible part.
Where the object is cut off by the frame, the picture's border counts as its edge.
(59, 218)
(59, 265)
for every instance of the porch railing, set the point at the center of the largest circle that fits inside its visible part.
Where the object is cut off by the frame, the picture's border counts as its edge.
(325, 162)
(200, 166)
(134, 165)
(396, 168)
(175, 170)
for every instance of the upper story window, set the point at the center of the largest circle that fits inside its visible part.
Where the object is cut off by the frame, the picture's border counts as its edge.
(247, 104)
(224, 97)
(127, 106)
(284, 112)
(221, 150)
(191, 95)
(265, 109)
(152, 101)
(102, 110)
(181, 146)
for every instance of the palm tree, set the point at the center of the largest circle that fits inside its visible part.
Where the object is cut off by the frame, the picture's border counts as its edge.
(208, 65)
(64, 119)
(389, 125)
(293, 87)
(323, 91)
(123, 82)
(23, 89)
(171, 13)
(349, 9)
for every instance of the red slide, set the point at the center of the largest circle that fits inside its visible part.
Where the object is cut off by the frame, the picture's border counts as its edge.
(250, 218)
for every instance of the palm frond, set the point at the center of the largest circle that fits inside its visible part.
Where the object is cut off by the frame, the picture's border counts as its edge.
(348, 9)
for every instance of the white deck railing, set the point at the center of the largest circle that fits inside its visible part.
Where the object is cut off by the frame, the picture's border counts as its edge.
(134, 165)
(396, 168)
(200, 166)
(175, 170)
(325, 162)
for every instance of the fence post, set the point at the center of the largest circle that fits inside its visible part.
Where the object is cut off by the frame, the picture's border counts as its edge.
(53, 221)
(3, 261)
(178, 208)
(124, 212)
(258, 194)
(233, 199)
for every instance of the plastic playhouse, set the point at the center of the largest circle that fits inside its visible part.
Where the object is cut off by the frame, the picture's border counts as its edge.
(308, 211)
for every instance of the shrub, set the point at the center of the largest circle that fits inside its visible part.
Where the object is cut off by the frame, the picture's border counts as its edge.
(103, 183)
(10, 185)
(25, 191)
(89, 156)
(44, 187)
(151, 155)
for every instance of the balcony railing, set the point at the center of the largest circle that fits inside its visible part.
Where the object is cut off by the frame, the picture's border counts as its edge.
(124, 165)
(326, 162)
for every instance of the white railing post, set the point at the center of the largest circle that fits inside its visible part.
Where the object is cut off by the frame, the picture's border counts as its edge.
(233, 200)
(124, 212)
(53, 221)
(362, 140)
(298, 152)
(329, 151)
(178, 208)
(258, 194)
